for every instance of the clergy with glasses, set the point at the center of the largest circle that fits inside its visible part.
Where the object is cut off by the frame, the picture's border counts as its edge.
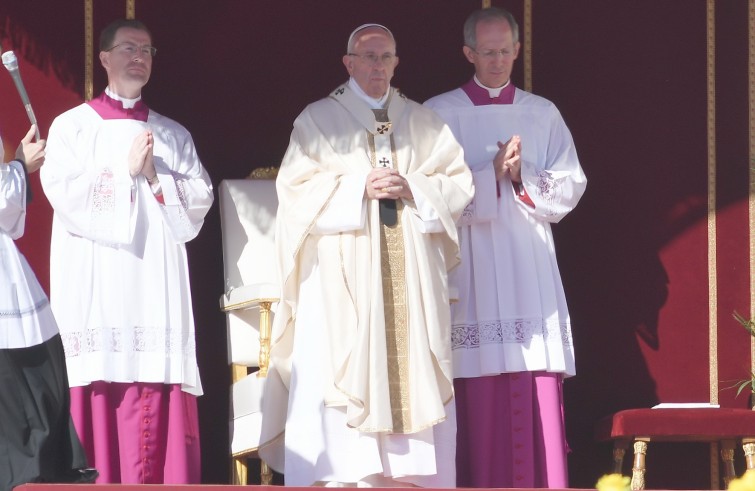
(512, 342)
(369, 190)
(128, 191)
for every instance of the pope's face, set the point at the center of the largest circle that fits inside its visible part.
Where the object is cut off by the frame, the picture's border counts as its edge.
(128, 63)
(493, 57)
(373, 78)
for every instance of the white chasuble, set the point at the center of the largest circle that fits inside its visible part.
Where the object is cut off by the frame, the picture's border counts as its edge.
(365, 352)
(515, 316)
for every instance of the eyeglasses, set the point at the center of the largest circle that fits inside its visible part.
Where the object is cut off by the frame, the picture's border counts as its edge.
(386, 59)
(490, 54)
(131, 49)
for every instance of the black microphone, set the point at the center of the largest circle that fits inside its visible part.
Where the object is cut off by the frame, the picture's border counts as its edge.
(11, 63)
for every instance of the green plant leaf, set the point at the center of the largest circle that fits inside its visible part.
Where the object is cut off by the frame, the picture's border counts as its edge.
(748, 324)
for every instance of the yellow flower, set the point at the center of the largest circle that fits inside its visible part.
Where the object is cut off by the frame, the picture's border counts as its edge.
(617, 482)
(744, 483)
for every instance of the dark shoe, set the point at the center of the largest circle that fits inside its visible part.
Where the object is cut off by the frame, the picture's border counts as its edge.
(80, 476)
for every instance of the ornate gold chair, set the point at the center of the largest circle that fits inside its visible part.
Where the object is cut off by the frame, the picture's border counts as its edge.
(247, 211)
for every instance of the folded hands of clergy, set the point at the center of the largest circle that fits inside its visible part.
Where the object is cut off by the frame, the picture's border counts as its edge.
(140, 156)
(387, 183)
(508, 159)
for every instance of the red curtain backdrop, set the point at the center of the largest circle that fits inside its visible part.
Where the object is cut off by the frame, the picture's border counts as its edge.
(630, 81)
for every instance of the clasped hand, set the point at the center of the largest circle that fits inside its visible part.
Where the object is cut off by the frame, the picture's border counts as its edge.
(508, 159)
(140, 156)
(387, 183)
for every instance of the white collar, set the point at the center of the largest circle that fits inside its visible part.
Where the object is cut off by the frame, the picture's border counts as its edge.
(371, 101)
(492, 92)
(127, 103)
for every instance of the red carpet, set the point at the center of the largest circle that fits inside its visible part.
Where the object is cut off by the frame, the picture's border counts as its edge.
(200, 487)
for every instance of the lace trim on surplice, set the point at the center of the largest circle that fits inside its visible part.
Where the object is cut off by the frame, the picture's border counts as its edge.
(518, 331)
(549, 189)
(18, 313)
(103, 202)
(184, 223)
(122, 340)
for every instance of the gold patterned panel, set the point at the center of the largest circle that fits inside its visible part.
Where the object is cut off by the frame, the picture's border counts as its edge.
(712, 264)
(528, 45)
(88, 50)
(263, 173)
(396, 322)
(751, 77)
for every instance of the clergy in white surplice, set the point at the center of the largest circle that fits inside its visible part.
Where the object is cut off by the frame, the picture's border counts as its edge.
(369, 191)
(37, 440)
(512, 342)
(128, 192)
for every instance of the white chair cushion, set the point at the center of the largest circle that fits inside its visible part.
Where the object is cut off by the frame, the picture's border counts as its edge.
(246, 414)
(247, 212)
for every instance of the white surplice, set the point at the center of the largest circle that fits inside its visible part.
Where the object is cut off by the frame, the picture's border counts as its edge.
(514, 317)
(119, 278)
(329, 341)
(25, 316)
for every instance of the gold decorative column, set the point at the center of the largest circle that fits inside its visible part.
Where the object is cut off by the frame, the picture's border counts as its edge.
(527, 45)
(712, 265)
(712, 260)
(88, 50)
(751, 77)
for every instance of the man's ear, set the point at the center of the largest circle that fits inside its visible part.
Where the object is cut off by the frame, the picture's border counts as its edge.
(348, 62)
(516, 50)
(104, 59)
(468, 53)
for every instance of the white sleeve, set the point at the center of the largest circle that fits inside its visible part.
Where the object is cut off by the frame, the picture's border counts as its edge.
(95, 202)
(347, 209)
(12, 199)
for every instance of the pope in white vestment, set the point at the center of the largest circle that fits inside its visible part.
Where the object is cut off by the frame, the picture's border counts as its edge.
(361, 337)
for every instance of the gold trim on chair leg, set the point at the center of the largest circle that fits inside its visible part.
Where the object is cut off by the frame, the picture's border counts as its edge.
(266, 474)
(238, 372)
(748, 445)
(240, 471)
(619, 450)
(638, 468)
(727, 456)
(265, 333)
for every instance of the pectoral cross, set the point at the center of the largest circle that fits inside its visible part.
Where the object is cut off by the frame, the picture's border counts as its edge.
(384, 162)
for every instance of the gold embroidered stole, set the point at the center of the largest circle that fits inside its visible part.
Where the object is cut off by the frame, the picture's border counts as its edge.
(382, 152)
(394, 303)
